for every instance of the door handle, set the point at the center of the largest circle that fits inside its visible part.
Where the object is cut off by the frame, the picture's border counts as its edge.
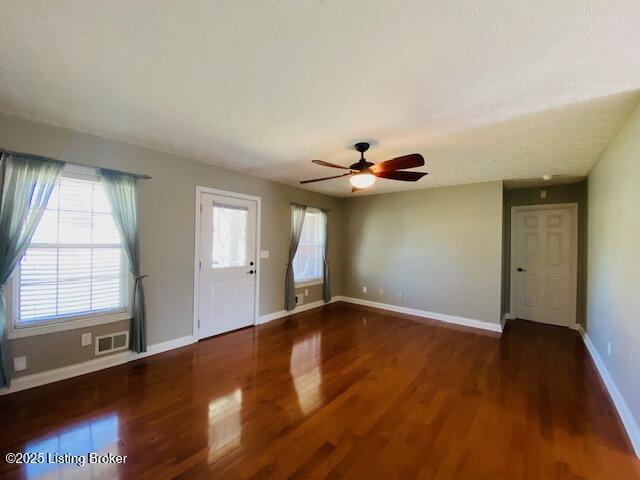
(520, 269)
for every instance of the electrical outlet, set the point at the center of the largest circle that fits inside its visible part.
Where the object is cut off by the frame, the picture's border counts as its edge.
(85, 339)
(400, 295)
(609, 349)
(299, 299)
(381, 292)
(543, 194)
(364, 289)
(306, 292)
(19, 364)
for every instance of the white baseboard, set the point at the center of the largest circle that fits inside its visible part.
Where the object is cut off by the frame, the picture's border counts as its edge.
(442, 317)
(269, 317)
(628, 420)
(55, 375)
(100, 363)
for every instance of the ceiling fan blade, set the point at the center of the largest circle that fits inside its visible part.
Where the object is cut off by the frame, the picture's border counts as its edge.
(399, 163)
(404, 176)
(327, 164)
(325, 178)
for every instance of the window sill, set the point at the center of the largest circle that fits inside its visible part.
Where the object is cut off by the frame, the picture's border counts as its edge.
(309, 283)
(72, 323)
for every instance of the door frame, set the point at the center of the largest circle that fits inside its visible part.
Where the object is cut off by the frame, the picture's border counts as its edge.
(575, 231)
(196, 256)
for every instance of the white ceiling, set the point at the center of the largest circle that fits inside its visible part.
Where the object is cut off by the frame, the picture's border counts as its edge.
(485, 90)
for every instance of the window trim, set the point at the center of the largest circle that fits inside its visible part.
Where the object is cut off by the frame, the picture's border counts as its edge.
(67, 322)
(309, 282)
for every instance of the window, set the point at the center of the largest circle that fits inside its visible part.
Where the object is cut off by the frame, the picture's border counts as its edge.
(307, 264)
(75, 266)
(229, 236)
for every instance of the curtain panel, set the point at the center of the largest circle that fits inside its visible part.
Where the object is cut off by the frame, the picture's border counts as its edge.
(298, 213)
(122, 192)
(27, 184)
(326, 289)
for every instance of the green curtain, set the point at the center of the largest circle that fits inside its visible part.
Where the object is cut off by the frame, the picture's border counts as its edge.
(297, 222)
(326, 289)
(27, 183)
(121, 189)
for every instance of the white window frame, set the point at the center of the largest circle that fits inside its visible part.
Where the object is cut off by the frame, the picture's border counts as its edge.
(70, 322)
(312, 281)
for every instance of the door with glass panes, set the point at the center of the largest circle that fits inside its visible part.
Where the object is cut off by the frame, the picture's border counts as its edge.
(227, 264)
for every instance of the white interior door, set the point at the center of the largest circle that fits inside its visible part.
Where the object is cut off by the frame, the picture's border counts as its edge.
(227, 264)
(543, 263)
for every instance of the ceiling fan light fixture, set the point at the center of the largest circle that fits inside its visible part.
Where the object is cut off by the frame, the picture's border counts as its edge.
(362, 180)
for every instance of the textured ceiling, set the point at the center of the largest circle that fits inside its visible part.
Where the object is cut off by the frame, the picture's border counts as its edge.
(485, 90)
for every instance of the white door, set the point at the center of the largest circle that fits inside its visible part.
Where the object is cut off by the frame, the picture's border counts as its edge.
(543, 263)
(227, 264)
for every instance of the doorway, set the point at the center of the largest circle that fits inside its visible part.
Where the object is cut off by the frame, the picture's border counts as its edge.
(544, 256)
(226, 261)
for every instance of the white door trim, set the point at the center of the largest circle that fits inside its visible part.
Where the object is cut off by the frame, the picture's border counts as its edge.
(573, 207)
(196, 253)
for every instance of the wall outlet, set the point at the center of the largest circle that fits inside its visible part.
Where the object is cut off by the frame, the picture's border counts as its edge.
(364, 289)
(609, 349)
(400, 295)
(19, 364)
(85, 339)
(381, 292)
(543, 194)
(306, 292)
(299, 299)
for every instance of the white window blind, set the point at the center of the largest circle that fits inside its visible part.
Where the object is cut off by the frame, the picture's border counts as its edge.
(75, 264)
(307, 264)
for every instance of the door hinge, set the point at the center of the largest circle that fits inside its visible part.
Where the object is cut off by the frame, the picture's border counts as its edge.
(200, 208)
(199, 265)
(198, 323)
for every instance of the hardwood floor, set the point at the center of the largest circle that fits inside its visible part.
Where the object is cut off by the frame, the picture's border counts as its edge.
(341, 392)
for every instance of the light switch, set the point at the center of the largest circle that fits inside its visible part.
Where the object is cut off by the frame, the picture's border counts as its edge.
(264, 253)
(85, 339)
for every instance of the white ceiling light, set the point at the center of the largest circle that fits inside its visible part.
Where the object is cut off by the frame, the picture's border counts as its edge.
(547, 177)
(362, 180)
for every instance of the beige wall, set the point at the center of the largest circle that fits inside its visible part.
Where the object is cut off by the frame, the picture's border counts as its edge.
(613, 306)
(573, 193)
(440, 247)
(167, 232)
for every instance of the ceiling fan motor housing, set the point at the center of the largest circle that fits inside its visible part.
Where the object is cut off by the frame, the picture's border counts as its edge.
(362, 164)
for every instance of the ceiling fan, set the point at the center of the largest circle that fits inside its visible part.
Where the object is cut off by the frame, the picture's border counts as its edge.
(362, 174)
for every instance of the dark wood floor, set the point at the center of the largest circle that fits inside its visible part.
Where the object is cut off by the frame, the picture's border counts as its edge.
(343, 392)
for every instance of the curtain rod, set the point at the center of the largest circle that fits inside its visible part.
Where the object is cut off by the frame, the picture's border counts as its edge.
(311, 206)
(11, 152)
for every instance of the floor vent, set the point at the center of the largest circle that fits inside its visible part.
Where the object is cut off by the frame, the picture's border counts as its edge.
(112, 342)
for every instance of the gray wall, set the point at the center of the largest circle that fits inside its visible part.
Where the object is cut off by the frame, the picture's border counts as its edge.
(167, 232)
(613, 306)
(573, 193)
(440, 247)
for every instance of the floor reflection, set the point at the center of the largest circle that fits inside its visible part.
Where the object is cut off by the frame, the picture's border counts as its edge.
(225, 423)
(71, 448)
(306, 372)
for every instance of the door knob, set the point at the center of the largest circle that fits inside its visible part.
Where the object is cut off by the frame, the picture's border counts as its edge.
(250, 272)
(520, 269)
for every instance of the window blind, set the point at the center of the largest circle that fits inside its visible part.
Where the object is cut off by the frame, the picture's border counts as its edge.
(307, 264)
(75, 264)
